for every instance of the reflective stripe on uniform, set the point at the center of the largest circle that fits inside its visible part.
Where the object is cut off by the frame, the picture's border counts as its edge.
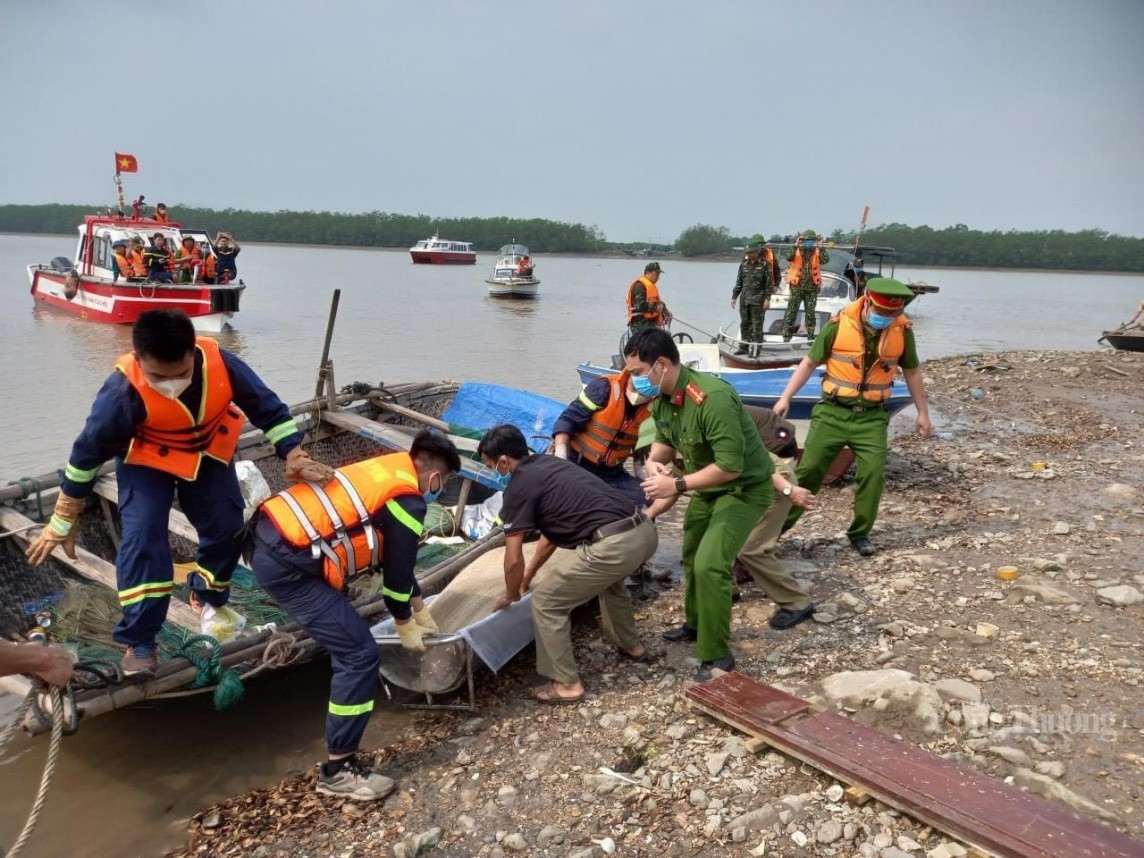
(79, 475)
(399, 512)
(393, 594)
(153, 590)
(350, 709)
(209, 578)
(586, 401)
(283, 430)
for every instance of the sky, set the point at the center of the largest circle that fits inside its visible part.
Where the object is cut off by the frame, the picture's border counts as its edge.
(642, 117)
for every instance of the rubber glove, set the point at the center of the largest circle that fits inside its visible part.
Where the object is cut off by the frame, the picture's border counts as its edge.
(424, 619)
(61, 529)
(299, 466)
(411, 634)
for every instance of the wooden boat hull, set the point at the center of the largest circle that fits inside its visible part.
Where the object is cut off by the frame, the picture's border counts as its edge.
(340, 429)
(121, 303)
(1125, 341)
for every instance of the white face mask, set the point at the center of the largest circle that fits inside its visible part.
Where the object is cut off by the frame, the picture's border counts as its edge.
(635, 398)
(171, 387)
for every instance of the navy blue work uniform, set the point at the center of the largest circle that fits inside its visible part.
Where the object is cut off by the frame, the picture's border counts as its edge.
(294, 579)
(573, 420)
(212, 501)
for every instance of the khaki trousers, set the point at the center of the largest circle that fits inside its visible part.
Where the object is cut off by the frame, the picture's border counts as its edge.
(571, 578)
(758, 556)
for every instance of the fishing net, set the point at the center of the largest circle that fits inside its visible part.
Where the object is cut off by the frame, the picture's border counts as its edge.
(24, 590)
(439, 521)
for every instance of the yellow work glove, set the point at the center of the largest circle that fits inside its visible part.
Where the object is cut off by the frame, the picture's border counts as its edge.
(424, 619)
(61, 529)
(411, 634)
(299, 466)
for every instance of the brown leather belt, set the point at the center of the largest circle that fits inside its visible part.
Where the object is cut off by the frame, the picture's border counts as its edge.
(621, 526)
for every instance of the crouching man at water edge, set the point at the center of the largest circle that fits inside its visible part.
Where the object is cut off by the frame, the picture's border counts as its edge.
(604, 538)
(378, 506)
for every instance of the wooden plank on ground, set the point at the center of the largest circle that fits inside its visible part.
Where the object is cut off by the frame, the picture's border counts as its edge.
(394, 439)
(107, 487)
(94, 568)
(978, 810)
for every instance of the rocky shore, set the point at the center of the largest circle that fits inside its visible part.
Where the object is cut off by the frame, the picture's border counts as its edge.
(1038, 464)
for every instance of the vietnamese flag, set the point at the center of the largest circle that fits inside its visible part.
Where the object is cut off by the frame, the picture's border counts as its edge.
(126, 163)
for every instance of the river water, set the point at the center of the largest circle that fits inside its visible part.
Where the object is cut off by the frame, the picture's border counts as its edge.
(127, 781)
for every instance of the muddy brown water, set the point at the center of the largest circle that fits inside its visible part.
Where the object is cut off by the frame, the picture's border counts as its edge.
(127, 782)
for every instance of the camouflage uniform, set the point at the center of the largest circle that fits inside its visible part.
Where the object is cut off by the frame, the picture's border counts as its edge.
(803, 293)
(754, 285)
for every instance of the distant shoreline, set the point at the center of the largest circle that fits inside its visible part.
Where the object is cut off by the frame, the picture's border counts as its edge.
(668, 259)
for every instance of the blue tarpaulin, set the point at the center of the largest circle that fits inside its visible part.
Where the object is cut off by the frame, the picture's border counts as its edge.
(479, 406)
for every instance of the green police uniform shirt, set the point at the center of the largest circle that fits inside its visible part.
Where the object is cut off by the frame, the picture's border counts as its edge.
(704, 421)
(822, 347)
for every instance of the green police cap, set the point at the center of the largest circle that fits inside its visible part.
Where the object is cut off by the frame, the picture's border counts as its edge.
(809, 233)
(889, 294)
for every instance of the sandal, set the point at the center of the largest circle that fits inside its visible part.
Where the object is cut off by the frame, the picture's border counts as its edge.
(547, 693)
(642, 657)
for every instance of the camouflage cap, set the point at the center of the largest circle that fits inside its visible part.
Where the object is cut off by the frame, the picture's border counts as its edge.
(756, 240)
(652, 266)
(809, 233)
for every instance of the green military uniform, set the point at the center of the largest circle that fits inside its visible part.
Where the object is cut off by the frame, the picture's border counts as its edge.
(803, 293)
(855, 423)
(705, 422)
(754, 284)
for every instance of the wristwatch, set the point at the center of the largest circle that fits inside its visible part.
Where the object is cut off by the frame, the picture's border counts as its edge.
(680, 485)
(787, 489)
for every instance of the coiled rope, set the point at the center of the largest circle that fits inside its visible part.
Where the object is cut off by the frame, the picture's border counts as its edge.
(49, 764)
(205, 653)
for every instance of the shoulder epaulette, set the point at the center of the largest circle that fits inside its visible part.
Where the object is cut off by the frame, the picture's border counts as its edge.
(695, 393)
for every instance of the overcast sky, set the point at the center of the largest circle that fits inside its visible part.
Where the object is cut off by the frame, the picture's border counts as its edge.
(641, 116)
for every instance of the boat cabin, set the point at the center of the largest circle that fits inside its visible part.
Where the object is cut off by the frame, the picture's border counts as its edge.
(94, 256)
(443, 245)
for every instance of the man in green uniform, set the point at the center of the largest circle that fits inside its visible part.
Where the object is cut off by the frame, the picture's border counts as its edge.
(758, 275)
(700, 418)
(804, 278)
(863, 347)
(645, 306)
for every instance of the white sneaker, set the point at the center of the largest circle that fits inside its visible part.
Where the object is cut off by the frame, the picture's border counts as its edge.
(355, 781)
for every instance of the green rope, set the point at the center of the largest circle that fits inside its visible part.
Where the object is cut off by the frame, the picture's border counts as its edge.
(205, 653)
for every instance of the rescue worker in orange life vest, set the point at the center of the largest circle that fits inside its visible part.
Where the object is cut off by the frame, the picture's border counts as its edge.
(804, 276)
(304, 566)
(863, 347)
(645, 307)
(599, 430)
(123, 266)
(170, 415)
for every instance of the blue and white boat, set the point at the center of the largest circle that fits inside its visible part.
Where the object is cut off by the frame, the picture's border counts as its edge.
(761, 387)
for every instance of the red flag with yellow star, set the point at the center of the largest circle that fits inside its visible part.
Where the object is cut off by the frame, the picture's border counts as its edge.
(126, 163)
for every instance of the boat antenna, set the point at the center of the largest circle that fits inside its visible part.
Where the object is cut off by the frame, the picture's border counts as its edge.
(861, 227)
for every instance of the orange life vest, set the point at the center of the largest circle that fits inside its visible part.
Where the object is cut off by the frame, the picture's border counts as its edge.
(139, 267)
(794, 272)
(125, 266)
(656, 316)
(209, 267)
(610, 435)
(187, 258)
(162, 217)
(172, 439)
(846, 372)
(335, 520)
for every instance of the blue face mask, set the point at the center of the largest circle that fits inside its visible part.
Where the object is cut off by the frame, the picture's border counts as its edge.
(642, 384)
(808, 244)
(431, 496)
(504, 478)
(877, 322)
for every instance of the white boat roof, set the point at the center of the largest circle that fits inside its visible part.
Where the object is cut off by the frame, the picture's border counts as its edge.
(514, 250)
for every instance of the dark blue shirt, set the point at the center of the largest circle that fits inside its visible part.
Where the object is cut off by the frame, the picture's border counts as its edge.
(118, 409)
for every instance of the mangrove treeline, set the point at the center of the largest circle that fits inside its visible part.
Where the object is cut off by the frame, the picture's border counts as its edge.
(955, 246)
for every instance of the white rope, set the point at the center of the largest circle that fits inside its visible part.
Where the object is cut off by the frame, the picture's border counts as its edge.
(49, 764)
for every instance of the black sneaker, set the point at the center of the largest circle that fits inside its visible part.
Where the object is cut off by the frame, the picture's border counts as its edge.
(787, 618)
(680, 633)
(707, 669)
(354, 781)
(864, 546)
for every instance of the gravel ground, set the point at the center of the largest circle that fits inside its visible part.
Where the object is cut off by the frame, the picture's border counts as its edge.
(1038, 464)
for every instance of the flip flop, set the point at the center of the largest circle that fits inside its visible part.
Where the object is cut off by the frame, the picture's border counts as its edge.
(547, 693)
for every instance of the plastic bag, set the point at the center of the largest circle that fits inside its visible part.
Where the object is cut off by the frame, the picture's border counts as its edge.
(223, 624)
(479, 519)
(255, 489)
